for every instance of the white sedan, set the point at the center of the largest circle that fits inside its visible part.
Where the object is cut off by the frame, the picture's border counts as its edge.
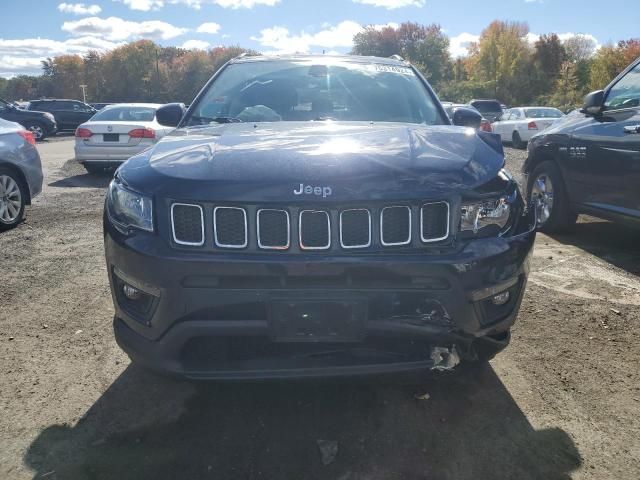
(116, 133)
(518, 125)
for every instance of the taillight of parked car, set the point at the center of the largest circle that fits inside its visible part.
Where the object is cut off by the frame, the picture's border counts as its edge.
(28, 136)
(83, 133)
(532, 126)
(142, 133)
(485, 126)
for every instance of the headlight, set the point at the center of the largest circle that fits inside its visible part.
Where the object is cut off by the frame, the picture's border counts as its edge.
(127, 209)
(50, 117)
(488, 217)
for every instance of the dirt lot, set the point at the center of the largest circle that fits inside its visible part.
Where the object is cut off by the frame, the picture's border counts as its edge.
(563, 401)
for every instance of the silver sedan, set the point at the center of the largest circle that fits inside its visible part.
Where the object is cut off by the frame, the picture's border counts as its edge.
(20, 172)
(116, 133)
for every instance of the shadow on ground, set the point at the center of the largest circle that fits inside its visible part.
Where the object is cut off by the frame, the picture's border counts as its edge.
(144, 427)
(76, 176)
(614, 243)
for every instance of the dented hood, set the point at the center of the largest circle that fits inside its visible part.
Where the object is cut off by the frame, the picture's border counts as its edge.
(259, 161)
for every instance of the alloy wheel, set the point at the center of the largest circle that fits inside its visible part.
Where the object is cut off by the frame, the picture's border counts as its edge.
(37, 131)
(10, 199)
(542, 195)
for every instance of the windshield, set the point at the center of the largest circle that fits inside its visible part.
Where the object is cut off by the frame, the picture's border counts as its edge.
(126, 114)
(308, 90)
(542, 113)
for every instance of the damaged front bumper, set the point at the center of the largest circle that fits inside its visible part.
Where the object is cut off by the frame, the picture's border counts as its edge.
(207, 317)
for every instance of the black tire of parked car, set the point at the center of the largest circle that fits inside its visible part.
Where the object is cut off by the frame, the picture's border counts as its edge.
(93, 168)
(561, 217)
(39, 131)
(23, 196)
(517, 142)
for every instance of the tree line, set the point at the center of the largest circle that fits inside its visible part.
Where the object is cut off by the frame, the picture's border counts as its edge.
(504, 64)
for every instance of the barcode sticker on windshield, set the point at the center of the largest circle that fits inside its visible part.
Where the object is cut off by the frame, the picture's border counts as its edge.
(393, 69)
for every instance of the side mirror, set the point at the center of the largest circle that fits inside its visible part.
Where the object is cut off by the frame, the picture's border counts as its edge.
(466, 117)
(593, 102)
(170, 114)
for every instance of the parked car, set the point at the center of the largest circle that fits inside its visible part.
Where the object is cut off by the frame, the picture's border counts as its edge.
(589, 162)
(100, 106)
(315, 216)
(41, 124)
(450, 108)
(116, 133)
(68, 113)
(490, 109)
(518, 125)
(20, 172)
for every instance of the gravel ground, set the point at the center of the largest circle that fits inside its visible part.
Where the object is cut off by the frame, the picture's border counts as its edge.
(563, 401)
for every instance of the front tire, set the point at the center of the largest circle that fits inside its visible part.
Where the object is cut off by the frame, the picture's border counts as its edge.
(13, 197)
(38, 130)
(516, 141)
(545, 189)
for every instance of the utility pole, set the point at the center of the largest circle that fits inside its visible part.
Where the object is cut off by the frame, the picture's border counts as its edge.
(84, 93)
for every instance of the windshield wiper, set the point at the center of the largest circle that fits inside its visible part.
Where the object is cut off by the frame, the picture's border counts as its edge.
(226, 120)
(215, 119)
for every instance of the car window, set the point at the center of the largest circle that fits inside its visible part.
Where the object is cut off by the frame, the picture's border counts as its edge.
(515, 114)
(312, 89)
(625, 93)
(126, 114)
(63, 105)
(542, 113)
(484, 106)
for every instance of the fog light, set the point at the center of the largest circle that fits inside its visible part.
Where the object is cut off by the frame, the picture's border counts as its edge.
(130, 292)
(501, 298)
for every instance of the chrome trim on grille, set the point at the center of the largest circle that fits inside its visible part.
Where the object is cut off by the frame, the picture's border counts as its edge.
(173, 226)
(271, 247)
(393, 244)
(246, 228)
(431, 240)
(368, 244)
(325, 247)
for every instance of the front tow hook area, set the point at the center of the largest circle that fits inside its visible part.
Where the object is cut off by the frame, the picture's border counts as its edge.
(444, 358)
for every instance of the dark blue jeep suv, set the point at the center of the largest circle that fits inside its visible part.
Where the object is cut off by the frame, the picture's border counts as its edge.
(316, 216)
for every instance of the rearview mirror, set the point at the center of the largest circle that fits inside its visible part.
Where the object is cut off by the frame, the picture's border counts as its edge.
(466, 117)
(593, 102)
(170, 114)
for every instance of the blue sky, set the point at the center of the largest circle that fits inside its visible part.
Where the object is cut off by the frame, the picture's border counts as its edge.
(279, 25)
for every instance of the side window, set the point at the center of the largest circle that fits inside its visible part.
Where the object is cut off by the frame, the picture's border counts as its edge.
(516, 115)
(625, 93)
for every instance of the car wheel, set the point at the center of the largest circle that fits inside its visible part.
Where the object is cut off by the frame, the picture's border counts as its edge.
(13, 196)
(516, 141)
(546, 190)
(93, 167)
(38, 130)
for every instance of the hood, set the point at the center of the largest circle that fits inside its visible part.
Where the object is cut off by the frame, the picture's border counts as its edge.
(356, 159)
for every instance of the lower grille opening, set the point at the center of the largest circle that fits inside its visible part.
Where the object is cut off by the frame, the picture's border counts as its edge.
(204, 354)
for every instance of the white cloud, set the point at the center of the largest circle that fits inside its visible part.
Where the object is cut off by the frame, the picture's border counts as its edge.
(196, 45)
(281, 40)
(392, 4)
(24, 56)
(116, 29)
(146, 5)
(143, 5)
(459, 45)
(79, 8)
(208, 27)
(532, 38)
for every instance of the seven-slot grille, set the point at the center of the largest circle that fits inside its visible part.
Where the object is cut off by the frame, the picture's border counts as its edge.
(273, 226)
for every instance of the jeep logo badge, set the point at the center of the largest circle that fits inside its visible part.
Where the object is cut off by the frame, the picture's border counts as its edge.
(312, 190)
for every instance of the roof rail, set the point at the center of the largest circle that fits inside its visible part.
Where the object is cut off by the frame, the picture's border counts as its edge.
(397, 57)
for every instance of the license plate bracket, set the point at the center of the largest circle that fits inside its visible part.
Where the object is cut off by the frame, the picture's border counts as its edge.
(317, 320)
